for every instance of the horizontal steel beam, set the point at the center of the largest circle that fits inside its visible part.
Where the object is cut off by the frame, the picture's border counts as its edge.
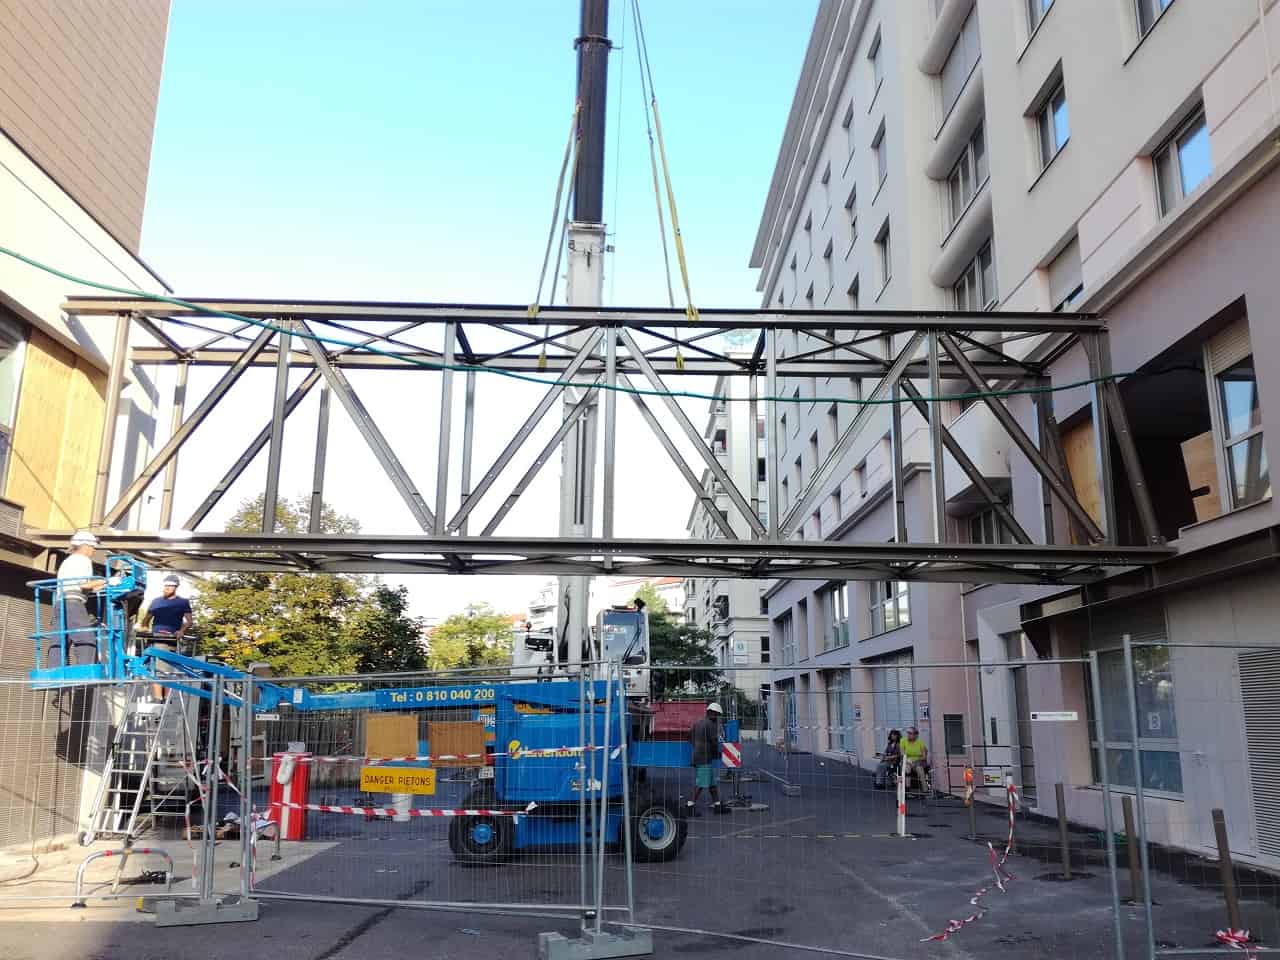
(990, 563)
(532, 363)
(886, 321)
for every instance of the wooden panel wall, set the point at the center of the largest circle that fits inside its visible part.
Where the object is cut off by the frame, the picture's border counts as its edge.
(61, 404)
(1077, 443)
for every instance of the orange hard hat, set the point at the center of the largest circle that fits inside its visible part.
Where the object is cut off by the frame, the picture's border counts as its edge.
(968, 775)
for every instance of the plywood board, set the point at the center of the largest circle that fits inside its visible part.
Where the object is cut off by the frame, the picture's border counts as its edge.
(456, 739)
(1202, 473)
(391, 735)
(56, 436)
(1077, 445)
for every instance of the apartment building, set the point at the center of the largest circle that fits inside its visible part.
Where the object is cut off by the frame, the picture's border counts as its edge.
(1111, 156)
(78, 90)
(733, 611)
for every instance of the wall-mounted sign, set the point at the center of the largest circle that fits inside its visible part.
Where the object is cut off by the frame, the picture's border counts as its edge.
(1055, 716)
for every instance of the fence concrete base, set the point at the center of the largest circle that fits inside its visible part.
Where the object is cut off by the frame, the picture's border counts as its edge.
(595, 946)
(183, 913)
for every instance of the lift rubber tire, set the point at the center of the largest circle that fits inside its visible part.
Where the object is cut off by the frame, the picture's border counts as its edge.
(658, 828)
(481, 839)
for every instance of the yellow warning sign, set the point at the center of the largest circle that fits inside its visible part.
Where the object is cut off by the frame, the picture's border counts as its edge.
(419, 780)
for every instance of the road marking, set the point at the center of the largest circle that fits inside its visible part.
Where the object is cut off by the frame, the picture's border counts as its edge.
(775, 826)
(910, 916)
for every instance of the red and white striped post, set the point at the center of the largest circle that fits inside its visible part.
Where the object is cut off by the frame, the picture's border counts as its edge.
(902, 796)
(731, 755)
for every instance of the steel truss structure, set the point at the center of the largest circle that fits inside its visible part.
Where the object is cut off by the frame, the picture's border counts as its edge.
(638, 356)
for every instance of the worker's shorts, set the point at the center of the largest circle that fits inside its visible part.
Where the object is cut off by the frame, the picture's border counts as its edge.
(704, 775)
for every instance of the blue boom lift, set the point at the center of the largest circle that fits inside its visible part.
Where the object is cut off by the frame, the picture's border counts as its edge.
(538, 765)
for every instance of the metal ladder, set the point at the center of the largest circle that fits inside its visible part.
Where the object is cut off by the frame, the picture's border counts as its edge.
(149, 766)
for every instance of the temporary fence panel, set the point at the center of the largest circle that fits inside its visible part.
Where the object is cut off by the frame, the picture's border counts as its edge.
(456, 791)
(99, 784)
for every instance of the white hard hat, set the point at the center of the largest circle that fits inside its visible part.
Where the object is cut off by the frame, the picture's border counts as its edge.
(83, 538)
(715, 708)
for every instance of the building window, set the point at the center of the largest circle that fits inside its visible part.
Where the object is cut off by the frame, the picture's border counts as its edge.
(860, 478)
(1036, 9)
(1158, 734)
(786, 639)
(877, 64)
(985, 527)
(835, 631)
(953, 734)
(1246, 457)
(1065, 279)
(976, 288)
(890, 605)
(808, 235)
(968, 175)
(964, 56)
(13, 338)
(786, 493)
(851, 213)
(881, 150)
(884, 255)
(1053, 124)
(825, 180)
(1183, 163)
(828, 273)
(892, 694)
(1149, 12)
(852, 293)
(847, 124)
(764, 649)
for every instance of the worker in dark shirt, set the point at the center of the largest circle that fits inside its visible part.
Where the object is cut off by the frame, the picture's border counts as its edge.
(169, 618)
(704, 737)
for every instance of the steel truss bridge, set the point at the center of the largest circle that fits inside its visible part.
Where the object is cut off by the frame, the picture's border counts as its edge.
(606, 356)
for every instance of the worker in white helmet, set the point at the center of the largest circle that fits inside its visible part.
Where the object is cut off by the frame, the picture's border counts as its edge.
(80, 633)
(704, 737)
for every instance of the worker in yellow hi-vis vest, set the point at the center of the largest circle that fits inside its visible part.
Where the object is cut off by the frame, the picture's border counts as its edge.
(915, 757)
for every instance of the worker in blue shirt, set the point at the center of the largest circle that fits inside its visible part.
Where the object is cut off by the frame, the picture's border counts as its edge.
(168, 617)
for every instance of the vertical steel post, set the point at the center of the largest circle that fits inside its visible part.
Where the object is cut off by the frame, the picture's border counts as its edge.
(1094, 349)
(583, 755)
(753, 404)
(446, 426)
(937, 457)
(115, 384)
(1045, 442)
(1227, 869)
(171, 469)
(1131, 849)
(895, 458)
(1064, 834)
(610, 427)
(771, 430)
(275, 453)
(1139, 793)
(468, 435)
(213, 765)
(1095, 680)
(628, 861)
(248, 816)
(604, 796)
(317, 475)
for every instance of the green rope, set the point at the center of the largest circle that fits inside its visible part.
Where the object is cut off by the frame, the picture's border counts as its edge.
(358, 347)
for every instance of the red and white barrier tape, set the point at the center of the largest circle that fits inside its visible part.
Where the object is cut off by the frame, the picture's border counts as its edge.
(1239, 939)
(411, 812)
(999, 873)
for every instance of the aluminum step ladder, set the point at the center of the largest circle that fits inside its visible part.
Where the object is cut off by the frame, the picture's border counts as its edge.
(150, 768)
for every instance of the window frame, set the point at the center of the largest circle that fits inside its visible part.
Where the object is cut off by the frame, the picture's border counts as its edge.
(1046, 123)
(877, 66)
(1170, 149)
(1228, 441)
(971, 159)
(1139, 6)
(975, 272)
(884, 250)
(883, 595)
(1036, 11)
(1099, 750)
(880, 150)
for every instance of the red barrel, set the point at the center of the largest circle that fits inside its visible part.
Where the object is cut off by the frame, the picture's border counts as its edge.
(290, 787)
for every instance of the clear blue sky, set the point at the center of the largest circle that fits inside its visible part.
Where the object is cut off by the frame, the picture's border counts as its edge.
(409, 150)
(316, 150)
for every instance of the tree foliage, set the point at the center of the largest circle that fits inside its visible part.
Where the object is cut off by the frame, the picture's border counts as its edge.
(476, 637)
(654, 601)
(681, 644)
(306, 624)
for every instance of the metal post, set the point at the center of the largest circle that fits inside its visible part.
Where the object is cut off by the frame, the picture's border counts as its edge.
(753, 403)
(1095, 680)
(248, 817)
(771, 434)
(1131, 849)
(1045, 440)
(583, 756)
(171, 471)
(1228, 871)
(207, 839)
(937, 460)
(1102, 443)
(1131, 687)
(446, 426)
(1064, 835)
(973, 818)
(629, 862)
(115, 383)
(902, 796)
(895, 461)
(322, 449)
(275, 453)
(610, 426)
(604, 797)
(468, 435)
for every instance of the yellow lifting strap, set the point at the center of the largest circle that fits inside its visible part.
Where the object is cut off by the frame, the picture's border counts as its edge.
(690, 310)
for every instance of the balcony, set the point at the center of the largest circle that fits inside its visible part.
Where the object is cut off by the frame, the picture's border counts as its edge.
(986, 443)
(950, 17)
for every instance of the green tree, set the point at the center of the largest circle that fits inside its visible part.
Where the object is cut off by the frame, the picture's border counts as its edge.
(653, 601)
(476, 637)
(681, 644)
(304, 624)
